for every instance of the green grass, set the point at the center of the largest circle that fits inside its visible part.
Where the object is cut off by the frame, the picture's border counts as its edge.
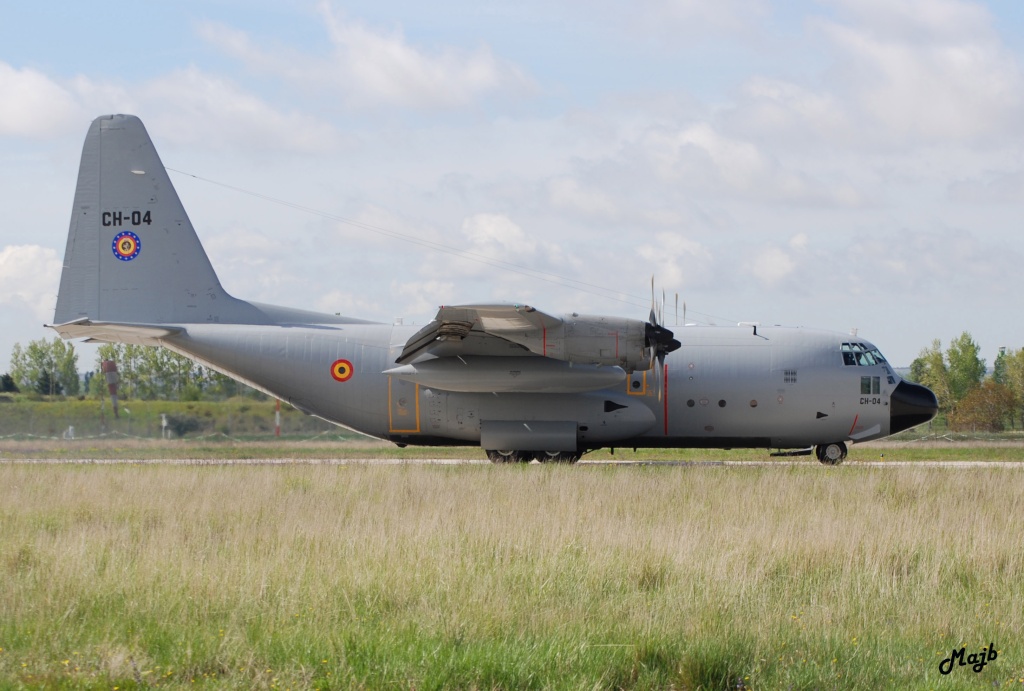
(27, 416)
(492, 577)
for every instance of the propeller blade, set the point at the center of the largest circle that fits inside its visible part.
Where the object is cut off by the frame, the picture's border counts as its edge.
(658, 377)
(659, 340)
(654, 316)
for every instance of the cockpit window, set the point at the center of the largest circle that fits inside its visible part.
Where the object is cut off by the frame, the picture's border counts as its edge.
(861, 355)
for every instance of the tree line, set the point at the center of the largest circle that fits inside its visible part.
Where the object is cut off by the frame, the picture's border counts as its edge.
(50, 368)
(969, 399)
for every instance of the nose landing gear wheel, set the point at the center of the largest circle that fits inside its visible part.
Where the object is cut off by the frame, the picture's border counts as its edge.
(831, 454)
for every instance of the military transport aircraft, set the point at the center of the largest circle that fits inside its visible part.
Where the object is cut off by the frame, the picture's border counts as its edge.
(520, 383)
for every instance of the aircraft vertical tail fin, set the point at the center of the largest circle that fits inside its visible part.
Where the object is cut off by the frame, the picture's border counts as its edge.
(132, 254)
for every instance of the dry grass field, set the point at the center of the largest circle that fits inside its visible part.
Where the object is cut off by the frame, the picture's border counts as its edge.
(495, 577)
(333, 447)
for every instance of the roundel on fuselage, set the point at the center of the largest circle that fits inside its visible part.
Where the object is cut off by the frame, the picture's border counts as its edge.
(342, 370)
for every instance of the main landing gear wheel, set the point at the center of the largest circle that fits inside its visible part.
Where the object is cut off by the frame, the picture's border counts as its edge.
(513, 456)
(557, 456)
(508, 456)
(831, 454)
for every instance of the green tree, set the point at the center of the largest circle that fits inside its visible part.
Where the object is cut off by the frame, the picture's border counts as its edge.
(57, 358)
(97, 385)
(1014, 361)
(8, 385)
(966, 369)
(929, 369)
(999, 367)
(984, 409)
(47, 384)
(19, 368)
(153, 372)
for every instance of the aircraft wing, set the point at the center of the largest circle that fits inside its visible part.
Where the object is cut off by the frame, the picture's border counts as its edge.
(115, 332)
(477, 327)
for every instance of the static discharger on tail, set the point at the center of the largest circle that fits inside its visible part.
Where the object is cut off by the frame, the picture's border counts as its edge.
(518, 382)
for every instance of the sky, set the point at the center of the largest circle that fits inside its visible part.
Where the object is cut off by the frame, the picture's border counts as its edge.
(831, 164)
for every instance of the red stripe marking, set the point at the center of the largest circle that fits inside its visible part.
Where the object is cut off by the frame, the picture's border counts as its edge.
(854, 425)
(544, 330)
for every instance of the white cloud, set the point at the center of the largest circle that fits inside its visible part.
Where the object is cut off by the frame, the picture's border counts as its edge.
(711, 162)
(788, 114)
(424, 297)
(29, 275)
(248, 261)
(729, 14)
(944, 265)
(345, 303)
(902, 75)
(193, 107)
(33, 105)
(680, 23)
(677, 261)
(498, 237)
(989, 188)
(919, 20)
(376, 228)
(784, 265)
(370, 68)
(185, 106)
(772, 265)
(568, 194)
(935, 93)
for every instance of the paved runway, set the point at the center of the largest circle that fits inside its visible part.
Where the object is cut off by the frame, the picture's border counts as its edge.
(1014, 465)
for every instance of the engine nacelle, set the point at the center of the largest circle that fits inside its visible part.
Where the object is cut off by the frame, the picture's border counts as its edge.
(590, 340)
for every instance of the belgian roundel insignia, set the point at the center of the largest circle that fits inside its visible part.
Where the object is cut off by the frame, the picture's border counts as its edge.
(342, 370)
(126, 246)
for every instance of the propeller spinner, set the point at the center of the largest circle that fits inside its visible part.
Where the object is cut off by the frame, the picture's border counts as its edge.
(660, 340)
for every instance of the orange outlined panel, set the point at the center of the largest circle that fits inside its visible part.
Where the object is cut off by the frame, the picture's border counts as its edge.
(403, 407)
(640, 377)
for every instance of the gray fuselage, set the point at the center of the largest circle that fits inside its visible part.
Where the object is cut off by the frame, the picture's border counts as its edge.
(725, 387)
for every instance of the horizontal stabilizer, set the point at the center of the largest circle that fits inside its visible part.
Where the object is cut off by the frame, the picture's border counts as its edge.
(115, 332)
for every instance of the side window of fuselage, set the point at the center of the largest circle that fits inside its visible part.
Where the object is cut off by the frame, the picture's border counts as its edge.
(870, 385)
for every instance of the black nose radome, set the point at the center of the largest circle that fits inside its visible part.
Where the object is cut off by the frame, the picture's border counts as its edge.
(911, 405)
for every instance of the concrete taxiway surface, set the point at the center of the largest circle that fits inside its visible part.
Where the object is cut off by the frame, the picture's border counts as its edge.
(1015, 465)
